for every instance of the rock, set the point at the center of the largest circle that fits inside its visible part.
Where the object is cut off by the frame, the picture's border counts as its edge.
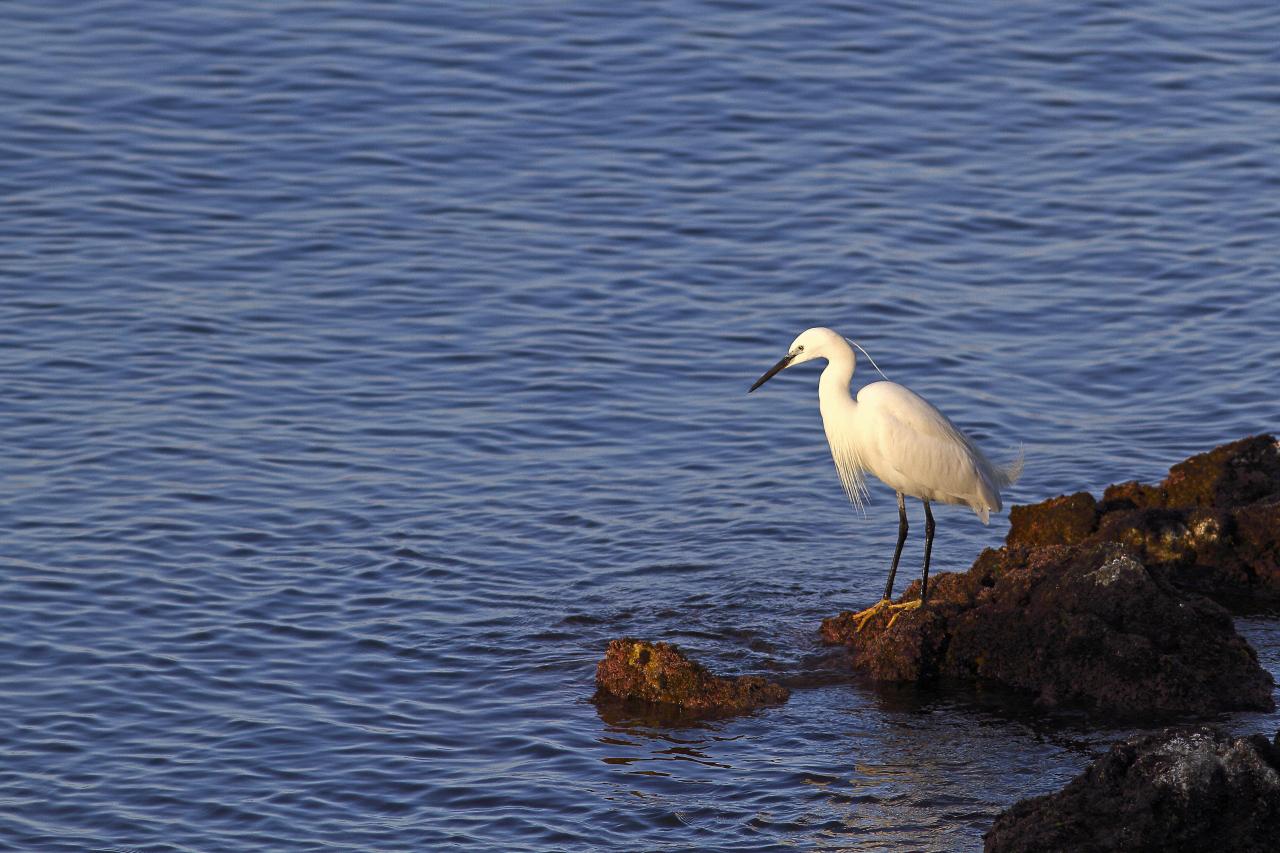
(1212, 525)
(659, 673)
(1176, 790)
(1084, 625)
(1257, 542)
(1063, 520)
(1232, 475)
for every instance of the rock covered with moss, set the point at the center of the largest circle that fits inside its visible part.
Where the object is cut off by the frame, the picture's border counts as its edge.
(1086, 625)
(1177, 790)
(659, 673)
(1212, 525)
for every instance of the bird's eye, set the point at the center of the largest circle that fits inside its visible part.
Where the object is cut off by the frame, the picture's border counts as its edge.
(800, 348)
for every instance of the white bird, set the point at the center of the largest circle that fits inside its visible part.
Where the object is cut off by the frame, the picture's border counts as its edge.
(895, 434)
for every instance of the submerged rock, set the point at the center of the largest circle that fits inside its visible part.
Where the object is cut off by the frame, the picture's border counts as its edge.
(1212, 525)
(1177, 790)
(658, 673)
(1086, 625)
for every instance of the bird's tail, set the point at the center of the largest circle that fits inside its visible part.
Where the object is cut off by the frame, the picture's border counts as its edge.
(1009, 473)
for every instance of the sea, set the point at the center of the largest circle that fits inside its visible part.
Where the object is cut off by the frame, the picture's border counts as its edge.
(368, 366)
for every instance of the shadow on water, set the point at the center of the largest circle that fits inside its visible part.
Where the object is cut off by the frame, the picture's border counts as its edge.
(998, 704)
(639, 717)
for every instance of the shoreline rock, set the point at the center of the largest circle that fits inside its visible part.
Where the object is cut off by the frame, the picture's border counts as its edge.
(1212, 525)
(1082, 626)
(1177, 790)
(659, 674)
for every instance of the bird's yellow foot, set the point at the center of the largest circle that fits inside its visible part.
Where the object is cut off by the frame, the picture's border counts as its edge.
(865, 616)
(899, 609)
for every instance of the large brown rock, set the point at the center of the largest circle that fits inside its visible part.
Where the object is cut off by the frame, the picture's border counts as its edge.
(658, 673)
(1212, 525)
(1190, 790)
(1232, 475)
(1085, 625)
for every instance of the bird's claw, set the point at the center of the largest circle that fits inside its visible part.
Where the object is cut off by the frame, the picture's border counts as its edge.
(899, 609)
(865, 616)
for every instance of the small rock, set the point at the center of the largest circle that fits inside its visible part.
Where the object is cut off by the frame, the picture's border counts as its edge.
(1177, 790)
(659, 673)
(1130, 495)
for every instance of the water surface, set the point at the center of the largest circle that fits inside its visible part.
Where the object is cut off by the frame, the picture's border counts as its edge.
(367, 368)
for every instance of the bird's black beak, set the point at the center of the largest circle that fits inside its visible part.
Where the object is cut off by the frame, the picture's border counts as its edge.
(786, 359)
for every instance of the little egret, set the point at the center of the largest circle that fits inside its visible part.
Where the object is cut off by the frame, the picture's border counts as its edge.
(897, 435)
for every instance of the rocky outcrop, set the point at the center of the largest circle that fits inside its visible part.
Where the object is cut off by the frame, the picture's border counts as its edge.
(1212, 525)
(658, 673)
(1086, 625)
(1177, 790)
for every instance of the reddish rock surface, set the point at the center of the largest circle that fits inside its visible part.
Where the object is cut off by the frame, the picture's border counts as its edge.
(1065, 520)
(658, 673)
(1189, 790)
(1212, 525)
(1085, 625)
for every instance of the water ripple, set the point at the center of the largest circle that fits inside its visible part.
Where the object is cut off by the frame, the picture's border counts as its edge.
(369, 367)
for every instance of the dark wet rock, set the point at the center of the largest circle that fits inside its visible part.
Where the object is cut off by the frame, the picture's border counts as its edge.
(1086, 626)
(1257, 541)
(1235, 474)
(1177, 790)
(659, 673)
(1212, 525)
(1064, 520)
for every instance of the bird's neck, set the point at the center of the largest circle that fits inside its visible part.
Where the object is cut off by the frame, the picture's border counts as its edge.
(833, 385)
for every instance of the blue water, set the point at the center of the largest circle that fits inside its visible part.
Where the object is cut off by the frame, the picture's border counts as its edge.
(367, 367)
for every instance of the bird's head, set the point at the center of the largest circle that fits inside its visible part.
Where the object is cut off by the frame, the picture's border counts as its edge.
(811, 344)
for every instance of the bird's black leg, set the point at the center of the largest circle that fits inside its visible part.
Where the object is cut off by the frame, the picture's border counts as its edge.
(928, 549)
(897, 552)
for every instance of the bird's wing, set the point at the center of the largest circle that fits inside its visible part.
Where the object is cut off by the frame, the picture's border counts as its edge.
(925, 449)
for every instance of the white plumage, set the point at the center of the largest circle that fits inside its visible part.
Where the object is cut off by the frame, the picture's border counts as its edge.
(899, 437)
(911, 447)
